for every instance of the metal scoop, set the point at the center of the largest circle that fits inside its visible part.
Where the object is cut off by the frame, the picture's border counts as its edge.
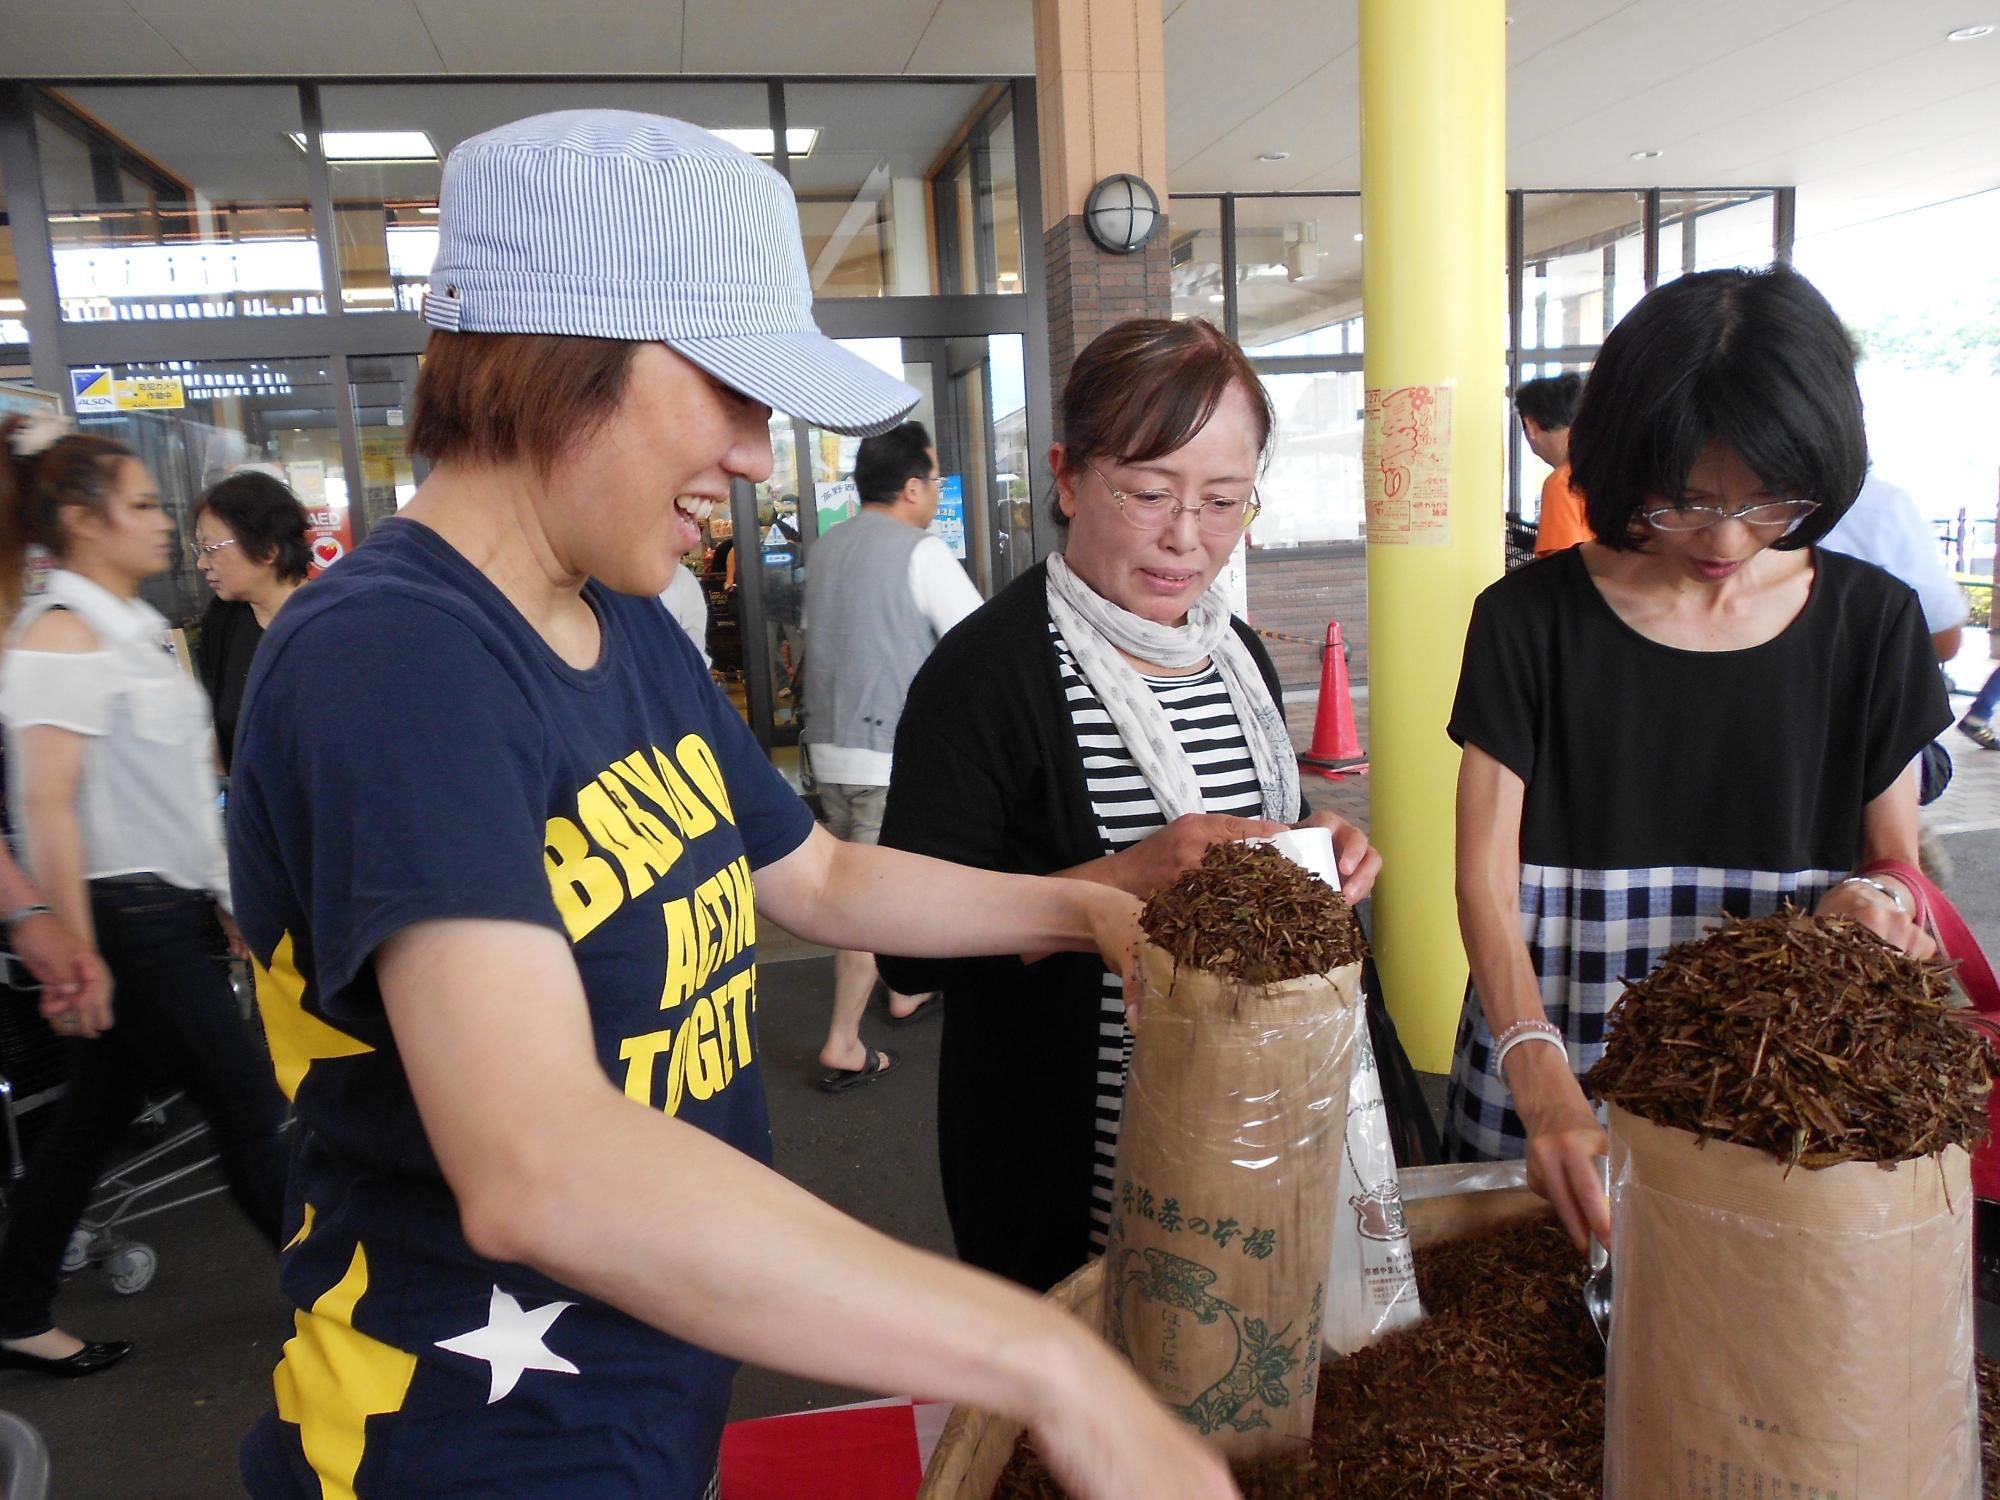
(1597, 1285)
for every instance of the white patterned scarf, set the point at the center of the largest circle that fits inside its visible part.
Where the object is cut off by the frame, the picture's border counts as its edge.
(1098, 630)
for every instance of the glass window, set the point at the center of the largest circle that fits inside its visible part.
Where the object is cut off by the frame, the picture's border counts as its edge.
(1005, 200)
(1311, 489)
(897, 183)
(157, 210)
(1731, 229)
(386, 145)
(381, 389)
(13, 311)
(1584, 266)
(1194, 257)
(196, 422)
(1298, 274)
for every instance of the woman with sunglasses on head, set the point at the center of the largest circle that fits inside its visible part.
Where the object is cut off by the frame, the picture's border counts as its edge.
(253, 548)
(1698, 712)
(1103, 718)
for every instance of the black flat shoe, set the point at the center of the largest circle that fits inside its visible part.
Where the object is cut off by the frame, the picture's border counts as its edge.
(86, 1361)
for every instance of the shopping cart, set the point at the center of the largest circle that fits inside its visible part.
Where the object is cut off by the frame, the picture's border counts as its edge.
(172, 1168)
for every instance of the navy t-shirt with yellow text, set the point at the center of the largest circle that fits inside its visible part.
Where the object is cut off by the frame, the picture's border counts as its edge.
(411, 750)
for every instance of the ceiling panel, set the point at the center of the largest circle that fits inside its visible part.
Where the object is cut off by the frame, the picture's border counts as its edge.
(587, 36)
(771, 36)
(993, 37)
(44, 39)
(295, 36)
(1228, 62)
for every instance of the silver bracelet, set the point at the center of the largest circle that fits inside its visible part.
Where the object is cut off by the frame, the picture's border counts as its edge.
(1525, 1031)
(1880, 887)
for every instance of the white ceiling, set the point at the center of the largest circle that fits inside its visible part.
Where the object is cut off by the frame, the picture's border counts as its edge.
(1862, 104)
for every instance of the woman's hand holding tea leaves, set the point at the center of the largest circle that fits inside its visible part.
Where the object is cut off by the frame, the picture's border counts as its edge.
(1876, 912)
(1159, 859)
(1565, 1141)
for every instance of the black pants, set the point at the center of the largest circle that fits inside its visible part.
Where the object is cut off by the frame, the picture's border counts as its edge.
(176, 1027)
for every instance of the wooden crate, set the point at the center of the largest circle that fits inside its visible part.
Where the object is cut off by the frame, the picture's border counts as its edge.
(975, 1447)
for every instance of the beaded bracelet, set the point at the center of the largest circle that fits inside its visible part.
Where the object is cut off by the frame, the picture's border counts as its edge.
(1525, 1031)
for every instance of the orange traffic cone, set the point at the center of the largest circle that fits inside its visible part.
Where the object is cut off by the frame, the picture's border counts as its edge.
(1336, 749)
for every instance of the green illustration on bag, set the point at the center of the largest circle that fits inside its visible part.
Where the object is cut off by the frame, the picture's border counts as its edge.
(1200, 1335)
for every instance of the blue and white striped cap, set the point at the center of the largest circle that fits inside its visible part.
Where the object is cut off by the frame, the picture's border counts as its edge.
(602, 223)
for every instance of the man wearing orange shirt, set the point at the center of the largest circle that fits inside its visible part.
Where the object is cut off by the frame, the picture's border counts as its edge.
(1546, 409)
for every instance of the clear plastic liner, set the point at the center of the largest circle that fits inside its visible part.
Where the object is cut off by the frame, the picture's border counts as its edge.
(1453, 1179)
(1222, 1215)
(1371, 1277)
(1781, 1333)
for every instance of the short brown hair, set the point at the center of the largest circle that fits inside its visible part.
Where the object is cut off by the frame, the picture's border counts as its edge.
(501, 397)
(1146, 386)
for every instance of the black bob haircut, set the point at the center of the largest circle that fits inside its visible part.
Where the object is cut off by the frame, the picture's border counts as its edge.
(885, 463)
(266, 519)
(1754, 360)
(1551, 401)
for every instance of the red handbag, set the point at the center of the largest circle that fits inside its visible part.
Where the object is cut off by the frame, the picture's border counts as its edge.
(1975, 976)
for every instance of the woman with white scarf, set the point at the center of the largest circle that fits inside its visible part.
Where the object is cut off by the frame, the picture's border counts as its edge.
(1103, 718)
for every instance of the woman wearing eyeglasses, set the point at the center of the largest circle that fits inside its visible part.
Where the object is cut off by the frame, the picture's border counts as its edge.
(252, 546)
(1699, 712)
(1103, 718)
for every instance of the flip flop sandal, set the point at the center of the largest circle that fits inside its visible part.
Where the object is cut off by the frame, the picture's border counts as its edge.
(881, 1060)
(924, 1012)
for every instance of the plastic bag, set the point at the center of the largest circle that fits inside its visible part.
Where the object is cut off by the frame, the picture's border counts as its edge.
(1780, 1333)
(1372, 1274)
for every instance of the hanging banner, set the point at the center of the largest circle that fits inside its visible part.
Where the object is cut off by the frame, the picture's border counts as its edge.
(836, 500)
(949, 521)
(1406, 465)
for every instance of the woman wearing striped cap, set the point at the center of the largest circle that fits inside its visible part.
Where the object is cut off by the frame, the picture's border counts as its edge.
(499, 847)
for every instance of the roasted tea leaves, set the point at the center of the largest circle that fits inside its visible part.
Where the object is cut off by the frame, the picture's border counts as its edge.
(1250, 913)
(1802, 1036)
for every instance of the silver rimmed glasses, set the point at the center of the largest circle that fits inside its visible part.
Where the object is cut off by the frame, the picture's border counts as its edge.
(1154, 509)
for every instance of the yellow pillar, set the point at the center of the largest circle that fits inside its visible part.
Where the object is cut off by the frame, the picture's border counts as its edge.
(1433, 184)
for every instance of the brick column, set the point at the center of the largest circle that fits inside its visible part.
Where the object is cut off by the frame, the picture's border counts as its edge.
(1100, 69)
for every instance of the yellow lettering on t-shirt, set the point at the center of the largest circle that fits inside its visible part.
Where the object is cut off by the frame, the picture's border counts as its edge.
(698, 761)
(746, 899)
(639, 1053)
(737, 999)
(677, 1070)
(670, 789)
(704, 1064)
(642, 854)
(684, 974)
(715, 906)
(643, 821)
(585, 887)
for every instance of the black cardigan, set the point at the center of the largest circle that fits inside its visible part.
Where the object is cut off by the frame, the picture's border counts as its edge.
(987, 773)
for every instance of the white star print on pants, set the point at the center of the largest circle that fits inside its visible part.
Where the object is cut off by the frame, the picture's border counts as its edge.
(511, 1342)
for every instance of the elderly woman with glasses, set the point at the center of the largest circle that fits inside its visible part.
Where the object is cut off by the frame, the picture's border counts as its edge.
(254, 550)
(1104, 718)
(1698, 712)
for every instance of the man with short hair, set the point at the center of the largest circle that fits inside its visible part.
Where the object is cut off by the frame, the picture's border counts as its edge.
(881, 591)
(1546, 408)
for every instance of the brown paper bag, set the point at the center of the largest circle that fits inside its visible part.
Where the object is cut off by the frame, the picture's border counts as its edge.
(1228, 1159)
(1776, 1334)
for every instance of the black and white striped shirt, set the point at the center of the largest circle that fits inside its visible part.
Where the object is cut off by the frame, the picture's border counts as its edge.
(1199, 709)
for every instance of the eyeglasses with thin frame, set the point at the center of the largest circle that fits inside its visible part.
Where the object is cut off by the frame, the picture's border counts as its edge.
(1769, 515)
(1153, 510)
(202, 551)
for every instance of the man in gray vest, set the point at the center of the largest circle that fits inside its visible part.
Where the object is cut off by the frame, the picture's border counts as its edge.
(880, 593)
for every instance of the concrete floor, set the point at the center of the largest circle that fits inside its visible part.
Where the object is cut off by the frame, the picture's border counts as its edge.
(164, 1425)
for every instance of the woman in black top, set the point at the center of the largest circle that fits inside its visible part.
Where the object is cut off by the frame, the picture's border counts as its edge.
(1697, 713)
(1103, 718)
(250, 542)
